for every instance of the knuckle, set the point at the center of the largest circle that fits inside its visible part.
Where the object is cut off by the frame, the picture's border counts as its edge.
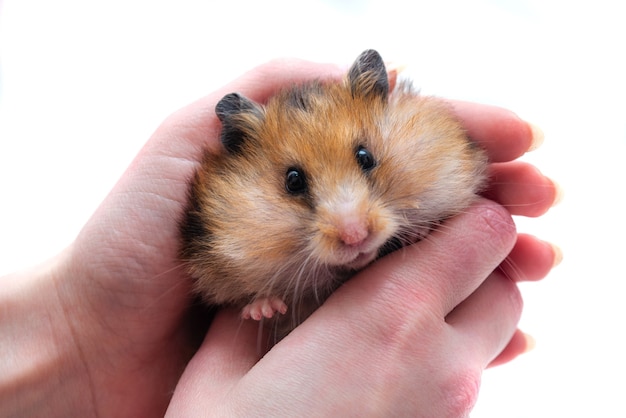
(460, 393)
(501, 229)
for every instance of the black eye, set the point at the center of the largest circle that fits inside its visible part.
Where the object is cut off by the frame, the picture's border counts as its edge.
(295, 182)
(365, 158)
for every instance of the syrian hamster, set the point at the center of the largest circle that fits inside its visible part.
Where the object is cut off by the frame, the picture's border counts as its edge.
(317, 183)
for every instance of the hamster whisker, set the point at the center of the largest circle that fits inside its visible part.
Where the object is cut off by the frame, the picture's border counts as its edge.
(511, 270)
(292, 164)
(171, 288)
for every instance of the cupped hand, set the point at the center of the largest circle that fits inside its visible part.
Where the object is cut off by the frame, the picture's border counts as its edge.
(126, 298)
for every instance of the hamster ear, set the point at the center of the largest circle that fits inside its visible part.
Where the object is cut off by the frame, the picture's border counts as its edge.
(239, 116)
(368, 76)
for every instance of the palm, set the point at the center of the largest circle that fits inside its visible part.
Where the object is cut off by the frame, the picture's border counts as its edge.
(135, 289)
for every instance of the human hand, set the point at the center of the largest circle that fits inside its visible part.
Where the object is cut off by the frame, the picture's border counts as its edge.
(117, 299)
(408, 336)
(385, 345)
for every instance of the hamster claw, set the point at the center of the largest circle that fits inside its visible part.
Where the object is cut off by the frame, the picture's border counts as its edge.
(263, 308)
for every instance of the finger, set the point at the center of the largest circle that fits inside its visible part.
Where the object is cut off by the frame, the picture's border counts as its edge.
(451, 263)
(520, 343)
(197, 123)
(501, 132)
(178, 144)
(229, 350)
(521, 188)
(531, 259)
(487, 320)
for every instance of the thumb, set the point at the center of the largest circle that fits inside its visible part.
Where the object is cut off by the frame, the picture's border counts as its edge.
(229, 350)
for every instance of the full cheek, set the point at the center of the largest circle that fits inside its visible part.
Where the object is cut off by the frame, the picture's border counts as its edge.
(321, 245)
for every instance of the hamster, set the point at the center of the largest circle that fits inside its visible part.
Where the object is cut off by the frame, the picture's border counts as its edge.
(317, 183)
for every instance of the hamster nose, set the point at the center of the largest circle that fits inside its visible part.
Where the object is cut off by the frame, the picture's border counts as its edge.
(353, 233)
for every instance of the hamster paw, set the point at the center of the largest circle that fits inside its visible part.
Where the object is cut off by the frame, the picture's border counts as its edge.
(263, 308)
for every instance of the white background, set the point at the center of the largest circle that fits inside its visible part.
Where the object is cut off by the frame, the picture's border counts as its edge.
(85, 83)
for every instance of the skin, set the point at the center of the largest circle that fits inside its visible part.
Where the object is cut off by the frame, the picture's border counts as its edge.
(105, 328)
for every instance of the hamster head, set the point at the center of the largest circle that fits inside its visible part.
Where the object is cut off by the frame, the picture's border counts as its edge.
(320, 180)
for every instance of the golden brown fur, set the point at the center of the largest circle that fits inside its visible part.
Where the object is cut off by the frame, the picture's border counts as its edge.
(246, 237)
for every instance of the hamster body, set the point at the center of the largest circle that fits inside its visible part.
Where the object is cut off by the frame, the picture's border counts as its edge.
(317, 183)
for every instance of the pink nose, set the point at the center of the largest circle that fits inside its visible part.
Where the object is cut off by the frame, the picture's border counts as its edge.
(353, 233)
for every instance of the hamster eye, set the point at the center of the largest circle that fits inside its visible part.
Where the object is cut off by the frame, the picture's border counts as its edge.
(295, 182)
(365, 158)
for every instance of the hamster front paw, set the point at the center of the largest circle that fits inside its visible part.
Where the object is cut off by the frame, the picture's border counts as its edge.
(263, 308)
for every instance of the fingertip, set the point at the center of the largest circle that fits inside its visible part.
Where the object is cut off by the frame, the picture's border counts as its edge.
(559, 193)
(520, 343)
(531, 259)
(537, 136)
(557, 254)
(501, 132)
(522, 188)
(393, 70)
(530, 343)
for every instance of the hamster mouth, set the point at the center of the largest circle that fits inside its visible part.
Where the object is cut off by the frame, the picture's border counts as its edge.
(362, 260)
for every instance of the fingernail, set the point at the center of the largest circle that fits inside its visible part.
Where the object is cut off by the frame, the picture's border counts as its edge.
(559, 193)
(558, 254)
(531, 343)
(395, 67)
(537, 136)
